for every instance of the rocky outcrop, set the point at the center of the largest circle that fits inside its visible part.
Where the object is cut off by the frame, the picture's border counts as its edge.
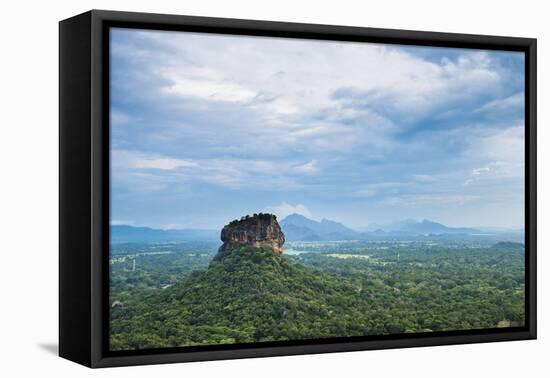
(259, 231)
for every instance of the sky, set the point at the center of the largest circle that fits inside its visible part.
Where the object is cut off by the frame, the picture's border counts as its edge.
(206, 128)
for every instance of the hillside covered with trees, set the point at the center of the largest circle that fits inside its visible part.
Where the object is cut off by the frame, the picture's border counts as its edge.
(255, 295)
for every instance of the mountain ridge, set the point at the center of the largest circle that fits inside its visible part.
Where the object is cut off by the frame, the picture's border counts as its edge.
(297, 227)
(130, 234)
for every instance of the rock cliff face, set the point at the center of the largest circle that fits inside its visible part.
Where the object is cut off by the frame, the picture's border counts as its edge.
(259, 231)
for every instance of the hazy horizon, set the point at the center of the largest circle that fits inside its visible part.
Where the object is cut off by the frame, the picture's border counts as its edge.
(368, 227)
(207, 128)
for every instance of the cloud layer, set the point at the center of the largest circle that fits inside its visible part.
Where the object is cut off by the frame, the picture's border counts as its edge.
(209, 127)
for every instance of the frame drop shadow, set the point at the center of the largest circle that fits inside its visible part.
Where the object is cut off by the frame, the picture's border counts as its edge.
(52, 348)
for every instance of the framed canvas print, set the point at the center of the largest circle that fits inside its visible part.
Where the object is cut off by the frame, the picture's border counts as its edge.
(234, 188)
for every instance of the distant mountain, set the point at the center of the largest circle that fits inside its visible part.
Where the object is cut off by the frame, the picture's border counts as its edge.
(429, 227)
(295, 227)
(298, 227)
(394, 226)
(131, 234)
(424, 227)
(293, 233)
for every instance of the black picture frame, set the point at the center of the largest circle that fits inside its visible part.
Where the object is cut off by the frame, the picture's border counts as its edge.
(84, 185)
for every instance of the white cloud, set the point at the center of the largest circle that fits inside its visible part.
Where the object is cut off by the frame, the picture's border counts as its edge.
(274, 82)
(231, 172)
(424, 178)
(506, 145)
(479, 171)
(138, 160)
(163, 163)
(501, 151)
(210, 89)
(285, 209)
(419, 200)
(514, 101)
(273, 114)
(385, 188)
(118, 118)
(309, 167)
(120, 222)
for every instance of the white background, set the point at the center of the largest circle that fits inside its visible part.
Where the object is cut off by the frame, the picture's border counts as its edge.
(29, 187)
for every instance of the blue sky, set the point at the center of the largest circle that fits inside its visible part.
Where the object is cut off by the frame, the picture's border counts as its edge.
(206, 128)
